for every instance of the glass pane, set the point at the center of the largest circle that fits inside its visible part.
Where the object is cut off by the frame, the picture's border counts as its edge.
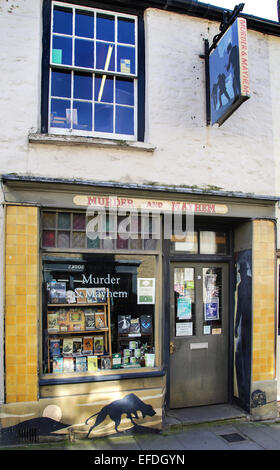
(105, 27)
(62, 20)
(82, 86)
(189, 244)
(49, 219)
(124, 91)
(82, 116)
(64, 220)
(84, 53)
(151, 244)
(95, 243)
(104, 89)
(48, 239)
(213, 243)
(78, 239)
(62, 50)
(63, 239)
(212, 300)
(103, 118)
(105, 56)
(84, 26)
(61, 84)
(79, 221)
(60, 113)
(184, 301)
(136, 244)
(126, 31)
(126, 59)
(124, 120)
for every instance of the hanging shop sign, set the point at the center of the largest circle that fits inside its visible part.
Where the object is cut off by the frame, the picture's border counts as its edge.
(101, 201)
(228, 72)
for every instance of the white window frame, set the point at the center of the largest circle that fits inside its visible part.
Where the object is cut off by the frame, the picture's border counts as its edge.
(93, 71)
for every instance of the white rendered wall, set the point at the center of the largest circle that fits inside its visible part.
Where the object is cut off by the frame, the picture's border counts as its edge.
(239, 156)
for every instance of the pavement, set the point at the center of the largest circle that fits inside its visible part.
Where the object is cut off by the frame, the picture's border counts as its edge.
(215, 428)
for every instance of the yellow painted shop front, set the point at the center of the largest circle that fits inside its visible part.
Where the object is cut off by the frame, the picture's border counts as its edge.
(98, 330)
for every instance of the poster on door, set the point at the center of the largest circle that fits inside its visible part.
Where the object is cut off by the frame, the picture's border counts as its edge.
(211, 310)
(184, 308)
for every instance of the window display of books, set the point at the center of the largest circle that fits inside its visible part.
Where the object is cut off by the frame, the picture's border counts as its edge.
(76, 319)
(74, 344)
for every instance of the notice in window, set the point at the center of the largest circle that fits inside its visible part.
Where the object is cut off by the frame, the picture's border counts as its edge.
(145, 291)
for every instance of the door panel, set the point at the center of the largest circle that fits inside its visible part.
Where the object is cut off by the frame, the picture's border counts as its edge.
(199, 334)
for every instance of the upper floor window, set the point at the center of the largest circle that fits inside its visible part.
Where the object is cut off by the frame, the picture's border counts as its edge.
(93, 72)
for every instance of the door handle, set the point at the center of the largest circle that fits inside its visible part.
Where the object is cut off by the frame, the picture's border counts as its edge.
(171, 347)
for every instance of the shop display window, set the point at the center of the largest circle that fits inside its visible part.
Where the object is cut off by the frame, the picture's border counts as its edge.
(99, 313)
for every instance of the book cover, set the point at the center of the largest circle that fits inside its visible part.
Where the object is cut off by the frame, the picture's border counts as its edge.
(68, 364)
(101, 295)
(117, 360)
(62, 315)
(76, 315)
(81, 364)
(89, 320)
(146, 322)
(98, 345)
(81, 295)
(135, 326)
(53, 324)
(88, 345)
(92, 363)
(91, 298)
(77, 346)
(149, 360)
(57, 292)
(57, 365)
(99, 320)
(124, 323)
(105, 363)
(67, 346)
(54, 347)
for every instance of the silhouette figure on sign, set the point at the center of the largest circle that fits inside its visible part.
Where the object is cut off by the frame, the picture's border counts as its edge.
(128, 405)
(233, 61)
(222, 88)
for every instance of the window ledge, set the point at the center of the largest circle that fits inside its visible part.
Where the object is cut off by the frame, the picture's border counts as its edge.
(36, 138)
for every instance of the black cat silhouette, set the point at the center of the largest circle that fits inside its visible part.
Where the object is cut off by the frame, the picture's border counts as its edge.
(128, 405)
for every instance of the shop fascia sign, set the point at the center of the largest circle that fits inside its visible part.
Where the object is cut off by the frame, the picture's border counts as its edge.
(153, 205)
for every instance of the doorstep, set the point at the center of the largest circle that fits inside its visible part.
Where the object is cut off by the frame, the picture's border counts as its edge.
(203, 414)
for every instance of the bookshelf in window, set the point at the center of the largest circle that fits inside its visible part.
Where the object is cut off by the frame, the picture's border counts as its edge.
(79, 334)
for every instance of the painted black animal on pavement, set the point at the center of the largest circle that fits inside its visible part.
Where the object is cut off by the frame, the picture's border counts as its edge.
(128, 405)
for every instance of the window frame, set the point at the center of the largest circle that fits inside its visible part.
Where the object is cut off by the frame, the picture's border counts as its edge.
(138, 77)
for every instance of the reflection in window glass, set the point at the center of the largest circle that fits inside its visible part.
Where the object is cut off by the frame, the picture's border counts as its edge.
(126, 59)
(82, 115)
(213, 242)
(83, 86)
(84, 25)
(126, 31)
(104, 89)
(84, 53)
(63, 239)
(48, 239)
(60, 113)
(105, 56)
(184, 301)
(105, 27)
(62, 50)
(103, 118)
(124, 91)
(62, 21)
(49, 219)
(124, 120)
(61, 84)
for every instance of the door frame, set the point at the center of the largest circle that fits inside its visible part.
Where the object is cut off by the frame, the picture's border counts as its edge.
(168, 259)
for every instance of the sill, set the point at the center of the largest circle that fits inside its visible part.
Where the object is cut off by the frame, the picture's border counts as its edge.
(36, 138)
(117, 374)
